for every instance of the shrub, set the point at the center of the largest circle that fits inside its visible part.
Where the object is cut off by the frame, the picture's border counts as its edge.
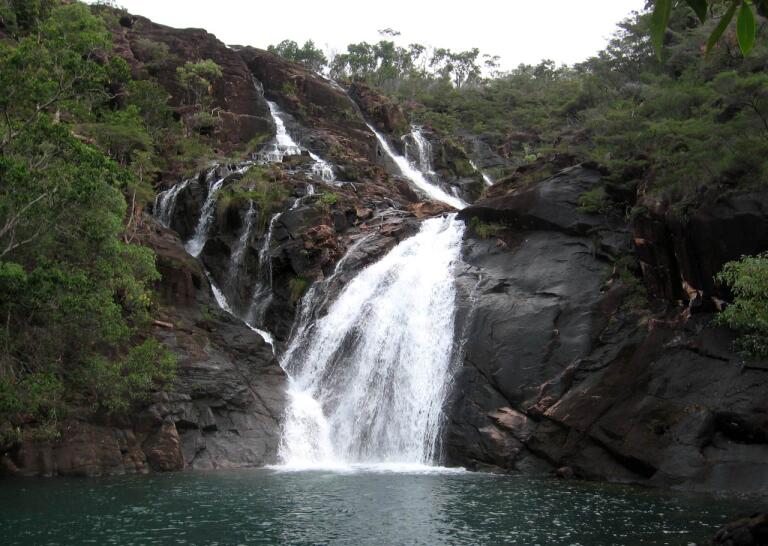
(329, 198)
(748, 314)
(297, 286)
(484, 230)
(594, 201)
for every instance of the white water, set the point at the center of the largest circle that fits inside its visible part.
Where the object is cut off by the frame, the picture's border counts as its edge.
(423, 150)
(165, 203)
(487, 179)
(284, 145)
(195, 245)
(369, 378)
(416, 176)
(221, 300)
(236, 259)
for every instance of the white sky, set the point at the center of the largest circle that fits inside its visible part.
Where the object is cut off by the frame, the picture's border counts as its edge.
(567, 31)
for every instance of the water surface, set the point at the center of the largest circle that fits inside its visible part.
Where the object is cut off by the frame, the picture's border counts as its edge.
(351, 508)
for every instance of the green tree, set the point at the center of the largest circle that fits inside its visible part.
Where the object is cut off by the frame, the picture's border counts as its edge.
(308, 54)
(197, 80)
(75, 297)
(748, 314)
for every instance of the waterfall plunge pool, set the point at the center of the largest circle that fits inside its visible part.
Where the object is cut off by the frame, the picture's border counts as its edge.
(263, 506)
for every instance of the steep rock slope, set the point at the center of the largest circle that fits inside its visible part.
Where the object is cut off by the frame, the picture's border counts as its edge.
(242, 112)
(561, 370)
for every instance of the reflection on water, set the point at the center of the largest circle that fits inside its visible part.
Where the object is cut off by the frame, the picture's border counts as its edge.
(351, 508)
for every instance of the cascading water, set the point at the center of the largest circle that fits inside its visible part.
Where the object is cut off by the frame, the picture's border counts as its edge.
(195, 245)
(165, 203)
(284, 145)
(416, 176)
(368, 380)
(487, 179)
(223, 304)
(236, 259)
(163, 212)
(423, 150)
(262, 290)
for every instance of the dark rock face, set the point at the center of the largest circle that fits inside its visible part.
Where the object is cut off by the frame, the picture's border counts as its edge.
(681, 255)
(242, 112)
(558, 372)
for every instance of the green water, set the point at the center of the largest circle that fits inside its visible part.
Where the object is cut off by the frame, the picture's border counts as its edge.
(271, 507)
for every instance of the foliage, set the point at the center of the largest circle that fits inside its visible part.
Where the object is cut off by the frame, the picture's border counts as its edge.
(296, 287)
(196, 79)
(594, 201)
(748, 314)
(484, 230)
(262, 186)
(746, 23)
(75, 297)
(329, 198)
(308, 54)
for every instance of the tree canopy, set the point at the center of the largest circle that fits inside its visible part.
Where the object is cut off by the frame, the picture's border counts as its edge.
(75, 296)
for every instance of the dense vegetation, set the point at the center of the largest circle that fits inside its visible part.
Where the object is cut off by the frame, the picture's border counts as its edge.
(748, 279)
(80, 142)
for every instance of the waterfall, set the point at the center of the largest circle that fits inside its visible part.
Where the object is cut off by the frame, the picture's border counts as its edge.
(165, 203)
(487, 179)
(195, 245)
(368, 380)
(423, 150)
(284, 145)
(416, 176)
(223, 304)
(236, 259)
(262, 290)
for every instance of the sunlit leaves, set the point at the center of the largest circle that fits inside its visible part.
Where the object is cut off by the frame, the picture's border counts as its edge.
(746, 28)
(748, 280)
(659, 21)
(721, 26)
(746, 25)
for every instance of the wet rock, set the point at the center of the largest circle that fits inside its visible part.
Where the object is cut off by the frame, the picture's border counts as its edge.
(751, 531)
(83, 449)
(558, 369)
(163, 449)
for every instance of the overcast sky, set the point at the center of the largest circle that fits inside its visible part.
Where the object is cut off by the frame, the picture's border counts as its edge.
(567, 31)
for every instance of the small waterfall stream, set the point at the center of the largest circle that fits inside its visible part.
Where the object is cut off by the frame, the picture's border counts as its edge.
(423, 151)
(197, 242)
(487, 179)
(165, 203)
(284, 145)
(418, 178)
